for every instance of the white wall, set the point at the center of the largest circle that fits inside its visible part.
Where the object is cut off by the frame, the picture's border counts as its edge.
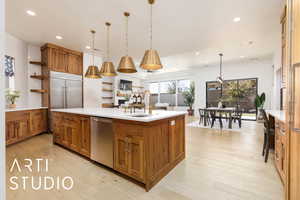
(2, 127)
(34, 54)
(19, 50)
(261, 69)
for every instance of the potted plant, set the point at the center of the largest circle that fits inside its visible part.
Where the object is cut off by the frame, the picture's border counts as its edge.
(189, 98)
(11, 97)
(259, 103)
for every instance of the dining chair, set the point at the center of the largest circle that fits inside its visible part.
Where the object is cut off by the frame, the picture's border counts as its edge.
(204, 117)
(237, 116)
(214, 116)
(269, 133)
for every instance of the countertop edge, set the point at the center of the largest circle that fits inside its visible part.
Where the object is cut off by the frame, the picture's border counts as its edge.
(24, 109)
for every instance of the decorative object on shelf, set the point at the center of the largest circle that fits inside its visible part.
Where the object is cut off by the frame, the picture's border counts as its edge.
(9, 63)
(12, 96)
(259, 103)
(189, 98)
(151, 60)
(220, 78)
(108, 68)
(126, 63)
(93, 71)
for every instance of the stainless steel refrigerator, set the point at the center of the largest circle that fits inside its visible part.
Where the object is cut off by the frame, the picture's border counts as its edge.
(65, 90)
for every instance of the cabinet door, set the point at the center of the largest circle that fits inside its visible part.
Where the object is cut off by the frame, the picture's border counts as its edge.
(75, 64)
(57, 127)
(85, 137)
(38, 119)
(177, 137)
(58, 60)
(23, 125)
(136, 157)
(71, 132)
(296, 32)
(121, 153)
(11, 133)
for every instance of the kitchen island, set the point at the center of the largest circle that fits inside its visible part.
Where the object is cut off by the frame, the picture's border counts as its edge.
(145, 147)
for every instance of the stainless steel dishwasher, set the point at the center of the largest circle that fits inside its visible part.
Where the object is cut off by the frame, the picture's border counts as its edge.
(102, 141)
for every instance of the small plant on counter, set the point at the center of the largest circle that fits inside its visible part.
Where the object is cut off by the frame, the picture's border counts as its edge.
(259, 103)
(189, 98)
(12, 96)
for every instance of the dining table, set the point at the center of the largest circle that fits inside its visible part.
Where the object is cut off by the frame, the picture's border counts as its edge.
(228, 110)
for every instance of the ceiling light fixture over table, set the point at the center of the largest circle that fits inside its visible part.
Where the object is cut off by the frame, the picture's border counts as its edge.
(108, 68)
(126, 63)
(93, 70)
(151, 59)
(220, 78)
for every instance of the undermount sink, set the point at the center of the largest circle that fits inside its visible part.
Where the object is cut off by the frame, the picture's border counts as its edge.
(140, 115)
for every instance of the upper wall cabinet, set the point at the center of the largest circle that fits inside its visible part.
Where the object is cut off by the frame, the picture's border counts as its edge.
(284, 47)
(60, 59)
(296, 32)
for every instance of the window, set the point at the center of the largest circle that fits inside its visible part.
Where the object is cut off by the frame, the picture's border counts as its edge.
(182, 86)
(238, 93)
(170, 92)
(154, 92)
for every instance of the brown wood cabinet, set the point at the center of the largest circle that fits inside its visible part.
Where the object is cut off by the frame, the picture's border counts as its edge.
(21, 125)
(146, 152)
(72, 131)
(280, 149)
(60, 59)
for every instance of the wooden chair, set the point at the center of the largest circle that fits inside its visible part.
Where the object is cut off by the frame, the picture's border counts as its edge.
(269, 133)
(204, 117)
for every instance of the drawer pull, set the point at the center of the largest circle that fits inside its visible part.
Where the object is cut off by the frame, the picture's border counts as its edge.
(297, 130)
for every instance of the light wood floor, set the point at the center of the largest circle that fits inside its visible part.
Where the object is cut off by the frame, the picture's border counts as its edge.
(218, 166)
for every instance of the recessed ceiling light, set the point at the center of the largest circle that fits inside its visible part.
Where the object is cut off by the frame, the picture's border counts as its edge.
(59, 37)
(237, 19)
(88, 47)
(197, 53)
(31, 13)
(242, 56)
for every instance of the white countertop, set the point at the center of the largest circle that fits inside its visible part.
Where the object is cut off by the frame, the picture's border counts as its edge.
(115, 113)
(279, 114)
(24, 108)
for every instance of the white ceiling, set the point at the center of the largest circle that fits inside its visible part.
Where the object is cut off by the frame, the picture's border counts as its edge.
(181, 28)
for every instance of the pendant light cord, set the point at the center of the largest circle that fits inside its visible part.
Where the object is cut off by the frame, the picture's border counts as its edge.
(221, 63)
(151, 20)
(93, 47)
(126, 36)
(107, 44)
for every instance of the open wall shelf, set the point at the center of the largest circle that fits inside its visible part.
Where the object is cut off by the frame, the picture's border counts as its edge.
(39, 77)
(38, 91)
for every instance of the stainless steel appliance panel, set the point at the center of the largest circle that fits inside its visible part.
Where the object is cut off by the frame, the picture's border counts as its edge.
(57, 91)
(73, 94)
(102, 141)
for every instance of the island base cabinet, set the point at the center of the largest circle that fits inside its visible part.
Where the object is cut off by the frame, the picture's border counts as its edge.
(146, 152)
(72, 131)
(129, 150)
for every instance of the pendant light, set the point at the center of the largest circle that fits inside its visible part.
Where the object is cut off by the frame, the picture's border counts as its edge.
(220, 78)
(126, 63)
(108, 68)
(151, 60)
(93, 70)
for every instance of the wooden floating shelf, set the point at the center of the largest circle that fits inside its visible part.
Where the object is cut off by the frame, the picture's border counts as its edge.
(107, 83)
(107, 90)
(107, 105)
(38, 90)
(40, 77)
(107, 97)
(36, 63)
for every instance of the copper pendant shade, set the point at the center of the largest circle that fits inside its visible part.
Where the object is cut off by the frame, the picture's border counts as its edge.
(93, 71)
(151, 60)
(126, 63)
(108, 68)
